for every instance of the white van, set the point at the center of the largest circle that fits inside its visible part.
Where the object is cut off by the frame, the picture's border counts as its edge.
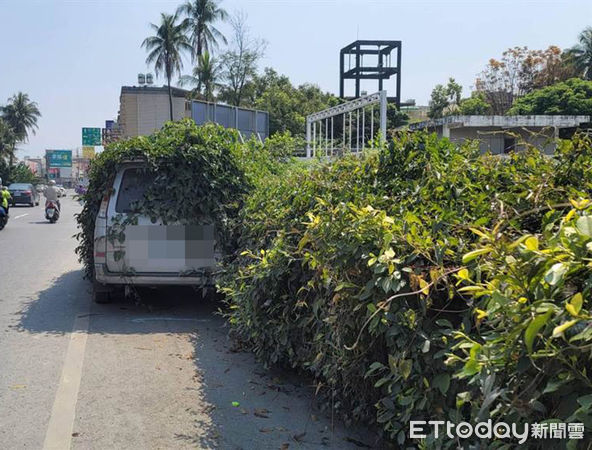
(146, 253)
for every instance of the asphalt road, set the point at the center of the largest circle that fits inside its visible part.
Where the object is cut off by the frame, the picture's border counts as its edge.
(159, 373)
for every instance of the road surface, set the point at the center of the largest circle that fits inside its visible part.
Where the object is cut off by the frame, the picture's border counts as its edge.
(155, 374)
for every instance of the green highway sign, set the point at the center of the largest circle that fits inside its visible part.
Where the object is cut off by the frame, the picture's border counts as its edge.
(59, 158)
(91, 136)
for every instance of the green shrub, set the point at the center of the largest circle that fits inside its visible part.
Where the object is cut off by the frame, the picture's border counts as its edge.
(534, 322)
(348, 270)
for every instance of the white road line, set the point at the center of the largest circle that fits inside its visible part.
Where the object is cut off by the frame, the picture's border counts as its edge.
(22, 215)
(61, 421)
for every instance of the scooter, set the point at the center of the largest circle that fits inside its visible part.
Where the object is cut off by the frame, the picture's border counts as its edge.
(52, 211)
(3, 218)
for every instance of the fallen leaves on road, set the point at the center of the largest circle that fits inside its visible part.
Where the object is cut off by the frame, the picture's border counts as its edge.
(298, 437)
(236, 404)
(357, 443)
(208, 409)
(285, 446)
(15, 387)
(265, 430)
(261, 412)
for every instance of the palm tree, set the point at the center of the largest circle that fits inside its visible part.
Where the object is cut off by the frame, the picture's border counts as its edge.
(7, 140)
(200, 17)
(581, 54)
(205, 74)
(165, 48)
(21, 115)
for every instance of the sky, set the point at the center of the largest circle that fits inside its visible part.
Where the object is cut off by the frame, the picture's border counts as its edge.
(72, 57)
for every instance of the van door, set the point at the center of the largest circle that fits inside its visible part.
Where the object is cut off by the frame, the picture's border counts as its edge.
(152, 248)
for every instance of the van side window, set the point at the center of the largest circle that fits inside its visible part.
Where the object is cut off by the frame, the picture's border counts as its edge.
(134, 184)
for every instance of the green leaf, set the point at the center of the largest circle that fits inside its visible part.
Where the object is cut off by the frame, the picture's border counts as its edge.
(479, 233)
(442, 382)
(553, 385)
(532, 243)
(533, 328)
(584, 225)
(475, 253)
(426, 346)
(392, 363)
(405, 368)
(558, 331)
(463, 274)
(575, 305)
(585, 401)
(555, 274)
(462, 398)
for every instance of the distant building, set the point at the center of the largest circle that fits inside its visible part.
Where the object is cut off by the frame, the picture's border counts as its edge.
(145, 109)
(502, 134)
(35, 165)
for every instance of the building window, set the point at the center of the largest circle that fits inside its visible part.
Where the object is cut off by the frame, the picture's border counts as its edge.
(509, 145)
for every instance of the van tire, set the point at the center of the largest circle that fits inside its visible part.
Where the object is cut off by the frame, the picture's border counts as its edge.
(101, 294)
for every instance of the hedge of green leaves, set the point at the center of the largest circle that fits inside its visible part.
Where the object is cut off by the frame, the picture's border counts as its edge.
(421, 281)
(424, 281)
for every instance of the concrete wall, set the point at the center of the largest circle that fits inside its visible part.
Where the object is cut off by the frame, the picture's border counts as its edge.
(491, 139)
(143, 113)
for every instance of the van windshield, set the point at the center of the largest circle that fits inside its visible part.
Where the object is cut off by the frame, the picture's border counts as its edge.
(134, 184)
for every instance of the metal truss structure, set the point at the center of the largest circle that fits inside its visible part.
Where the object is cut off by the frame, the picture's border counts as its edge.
(380, 68)
(336, 137)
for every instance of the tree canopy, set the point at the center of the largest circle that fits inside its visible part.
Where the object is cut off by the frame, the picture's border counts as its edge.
(200, 18)
(20, 117)
(165, 48)
(581, 54)
(571, 97)
(287, 104)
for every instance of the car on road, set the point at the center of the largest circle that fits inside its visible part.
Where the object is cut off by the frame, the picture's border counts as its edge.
(61, 190)
(23, 193)
(143, 252)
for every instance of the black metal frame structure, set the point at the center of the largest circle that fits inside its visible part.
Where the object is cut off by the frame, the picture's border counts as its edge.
(383, 70)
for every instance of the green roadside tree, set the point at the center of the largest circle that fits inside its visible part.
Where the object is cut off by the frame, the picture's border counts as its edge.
(205, 77)
(475, 105)
(287, 105)
(7, 140)
(445, 100)
(581, 54)
(21, 115)
(571, 97)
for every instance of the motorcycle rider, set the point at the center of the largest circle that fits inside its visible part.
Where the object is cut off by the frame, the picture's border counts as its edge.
(6, 197)
(51, 194)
